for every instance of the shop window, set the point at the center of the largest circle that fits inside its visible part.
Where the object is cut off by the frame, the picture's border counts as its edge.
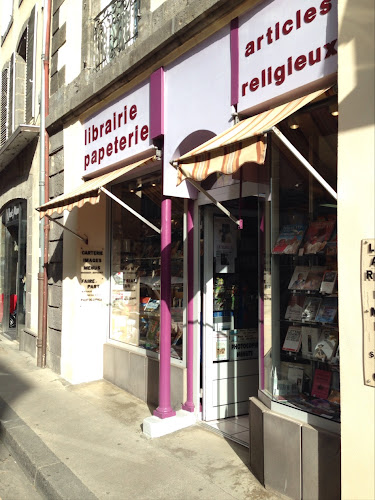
(136, 269)
(299, 306)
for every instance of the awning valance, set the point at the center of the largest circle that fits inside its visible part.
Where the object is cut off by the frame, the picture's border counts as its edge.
(242, 143)
(89, 191)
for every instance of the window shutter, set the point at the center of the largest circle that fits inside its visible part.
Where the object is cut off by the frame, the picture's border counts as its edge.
(30, 66)
(4, 106)
(11, 96)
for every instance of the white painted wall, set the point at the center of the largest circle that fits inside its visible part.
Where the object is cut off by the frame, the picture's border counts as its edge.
(68, 55)
(356, 221)
(197, 97)
(84, 324)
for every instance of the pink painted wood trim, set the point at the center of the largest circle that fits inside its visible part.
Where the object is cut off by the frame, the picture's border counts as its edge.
(157, 103)
(164, 409)
(189, 405)
(234, 61)
(261, 258)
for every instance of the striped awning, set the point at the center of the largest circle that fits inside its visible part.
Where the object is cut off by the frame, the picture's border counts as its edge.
(89, 191)
(242, 143)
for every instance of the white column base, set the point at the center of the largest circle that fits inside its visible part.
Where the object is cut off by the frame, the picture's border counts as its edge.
(154, 427)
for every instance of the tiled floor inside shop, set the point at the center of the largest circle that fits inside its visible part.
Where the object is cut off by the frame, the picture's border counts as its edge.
(234, 428)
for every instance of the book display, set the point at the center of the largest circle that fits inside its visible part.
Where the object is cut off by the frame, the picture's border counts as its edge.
(136, 269)
(308, 374)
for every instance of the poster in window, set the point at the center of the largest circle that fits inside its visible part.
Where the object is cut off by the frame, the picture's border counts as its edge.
(225, 245)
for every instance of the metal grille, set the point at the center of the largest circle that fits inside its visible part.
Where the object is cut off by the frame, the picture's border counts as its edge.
(115, 29)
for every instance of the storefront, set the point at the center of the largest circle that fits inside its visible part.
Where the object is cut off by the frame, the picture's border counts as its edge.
(200, 261)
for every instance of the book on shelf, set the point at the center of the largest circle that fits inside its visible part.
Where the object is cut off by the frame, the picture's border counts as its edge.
(328, 282)
(152, 305)
(310, 308)
(326, 345)
(292, 340)
(295, 375)
(298, 278)
(310, 337)
(314, 278)
(294, 309)
(321, 383)
(289, 239)
(317, 236)
(331, 247)
(327, 310)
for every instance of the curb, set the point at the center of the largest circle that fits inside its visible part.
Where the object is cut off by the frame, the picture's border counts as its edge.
(51, 477)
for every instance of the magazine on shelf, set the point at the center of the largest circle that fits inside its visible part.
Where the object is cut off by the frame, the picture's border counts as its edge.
(310, 308)
(317, 236)
(328, 282)
(292, 340)
(314, 278)
(298, 279)
(327, 343)
(289, 239)
(327, 310)
(321, 383)
(310, 337)
(294, 310)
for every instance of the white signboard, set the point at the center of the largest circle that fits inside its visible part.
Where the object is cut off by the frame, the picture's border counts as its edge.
(92, 274)
(368, 309)
(284, 45)
(119, 131)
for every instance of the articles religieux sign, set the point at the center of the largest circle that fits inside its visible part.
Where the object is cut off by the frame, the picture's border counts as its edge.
(285, 45)
(368, 309)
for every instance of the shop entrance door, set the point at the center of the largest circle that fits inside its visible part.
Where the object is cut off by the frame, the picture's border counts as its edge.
(229, 327)
(13, 269)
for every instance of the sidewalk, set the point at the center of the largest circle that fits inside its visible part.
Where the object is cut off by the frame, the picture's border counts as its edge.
(84, 442)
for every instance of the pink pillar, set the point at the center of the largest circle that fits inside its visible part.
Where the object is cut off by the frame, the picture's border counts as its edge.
(189, 405)
(164, 409)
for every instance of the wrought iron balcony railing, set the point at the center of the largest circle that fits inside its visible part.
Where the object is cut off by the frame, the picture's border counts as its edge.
(115, 29)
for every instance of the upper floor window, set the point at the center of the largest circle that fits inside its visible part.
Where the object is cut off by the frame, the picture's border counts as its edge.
(18, 83)
(115, 28)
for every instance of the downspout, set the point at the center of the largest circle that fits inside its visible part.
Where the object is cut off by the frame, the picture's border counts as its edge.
(43, 191)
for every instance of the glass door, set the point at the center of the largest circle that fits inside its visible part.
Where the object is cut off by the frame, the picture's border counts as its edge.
(230, 310)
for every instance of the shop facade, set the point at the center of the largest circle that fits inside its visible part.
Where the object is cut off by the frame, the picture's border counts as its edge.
(19, 174)
(200, 264)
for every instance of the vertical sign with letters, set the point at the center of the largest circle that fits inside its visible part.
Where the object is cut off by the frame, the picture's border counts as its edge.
(368, 309)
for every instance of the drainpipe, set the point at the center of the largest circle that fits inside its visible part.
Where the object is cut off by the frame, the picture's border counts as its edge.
(43, 192)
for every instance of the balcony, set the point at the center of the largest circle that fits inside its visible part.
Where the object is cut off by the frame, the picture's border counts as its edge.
(115, 29)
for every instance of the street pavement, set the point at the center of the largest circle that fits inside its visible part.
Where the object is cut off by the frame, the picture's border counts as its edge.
(85, 441)
(14, 484)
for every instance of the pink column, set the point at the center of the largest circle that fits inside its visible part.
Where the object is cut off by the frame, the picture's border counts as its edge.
(164, 409)
(189, 405)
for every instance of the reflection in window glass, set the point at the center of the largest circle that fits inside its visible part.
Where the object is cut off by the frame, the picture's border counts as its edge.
(135, 267)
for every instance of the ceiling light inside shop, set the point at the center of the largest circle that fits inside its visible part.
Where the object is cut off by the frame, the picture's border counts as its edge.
(333, 110)
(293, 122)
